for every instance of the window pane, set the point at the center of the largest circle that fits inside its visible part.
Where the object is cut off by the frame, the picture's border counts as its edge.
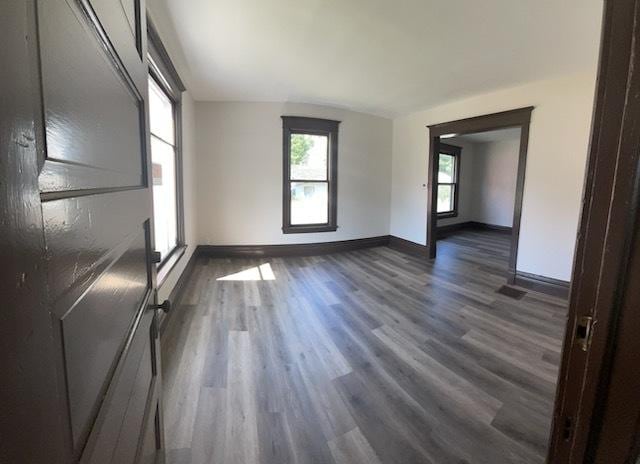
(309, 203)
(164, 196)
(160, 113)
(445, 198)
(309, 156)
(446, 168)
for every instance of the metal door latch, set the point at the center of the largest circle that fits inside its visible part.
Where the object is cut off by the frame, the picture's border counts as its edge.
(584, 332)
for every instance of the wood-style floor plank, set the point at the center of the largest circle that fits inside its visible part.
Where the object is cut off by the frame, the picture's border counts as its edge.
(371, 356)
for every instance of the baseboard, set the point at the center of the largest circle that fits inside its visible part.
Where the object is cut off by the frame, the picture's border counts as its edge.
(494, 227)
(298, 249)
(538, 283)
(179, 288)
(408, 246)
(443, 231)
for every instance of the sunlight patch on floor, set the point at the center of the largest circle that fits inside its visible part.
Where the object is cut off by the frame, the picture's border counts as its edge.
(262, 272)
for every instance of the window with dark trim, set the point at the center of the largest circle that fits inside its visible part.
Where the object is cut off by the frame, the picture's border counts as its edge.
(165, 127)
(310, 177)
(448, 180)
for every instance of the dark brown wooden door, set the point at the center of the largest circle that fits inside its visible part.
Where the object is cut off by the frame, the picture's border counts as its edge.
(96, 208)
(597, 405)
(616, 431)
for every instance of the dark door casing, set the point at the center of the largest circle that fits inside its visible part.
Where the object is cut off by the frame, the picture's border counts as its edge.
(597, 411)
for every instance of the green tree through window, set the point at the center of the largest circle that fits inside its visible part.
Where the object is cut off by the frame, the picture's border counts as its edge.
(300, 146)
(446, 166)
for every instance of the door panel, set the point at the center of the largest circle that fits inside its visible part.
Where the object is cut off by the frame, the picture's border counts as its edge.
(94, 114)
(119, 425)
(95, 328)
(81, 243)
(126, 28)
(96, 206)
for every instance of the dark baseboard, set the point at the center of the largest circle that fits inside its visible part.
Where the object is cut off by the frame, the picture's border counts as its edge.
(298, 249)
(444, 231)
(538, 283)
(494, 227)
(408, 246)
(179, 288)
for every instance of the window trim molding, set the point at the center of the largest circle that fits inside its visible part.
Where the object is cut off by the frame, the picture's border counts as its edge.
(162, 63)
(169, 263)
(456, 152)
(163, 72)
(315, 126)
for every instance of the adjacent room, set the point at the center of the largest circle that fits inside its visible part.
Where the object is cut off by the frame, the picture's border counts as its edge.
(479, 194)
(269, 232)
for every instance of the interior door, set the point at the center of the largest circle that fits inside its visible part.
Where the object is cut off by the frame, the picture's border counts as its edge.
(96, 207)
(616, 435)
(594, 391)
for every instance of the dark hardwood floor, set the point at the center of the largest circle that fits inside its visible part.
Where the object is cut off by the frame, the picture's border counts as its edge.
(370, 356)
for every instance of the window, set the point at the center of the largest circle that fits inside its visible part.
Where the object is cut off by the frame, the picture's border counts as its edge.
(448, 177)
(164, 101)
(310, 149)
(163, 168)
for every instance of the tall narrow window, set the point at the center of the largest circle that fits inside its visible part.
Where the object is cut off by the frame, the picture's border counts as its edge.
(310, 189)
(165, 90)
(163, 168)
(448, 180)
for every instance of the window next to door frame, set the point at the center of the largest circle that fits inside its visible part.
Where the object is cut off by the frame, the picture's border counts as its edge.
(453, 183)
(164, 80)
(316, 180)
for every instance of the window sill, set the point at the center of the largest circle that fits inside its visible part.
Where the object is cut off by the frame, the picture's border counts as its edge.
(447, 215)
(308, 229)
(167, 266)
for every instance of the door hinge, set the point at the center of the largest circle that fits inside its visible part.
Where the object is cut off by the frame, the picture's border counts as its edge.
(584, 332)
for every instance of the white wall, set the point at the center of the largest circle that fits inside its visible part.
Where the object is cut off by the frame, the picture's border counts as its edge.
(240, 173)
(494, 182)
(558, 140)
(487, 184)
(189, 182)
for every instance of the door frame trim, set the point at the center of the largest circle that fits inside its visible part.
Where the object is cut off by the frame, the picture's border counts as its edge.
(604, 246)
(517, 118)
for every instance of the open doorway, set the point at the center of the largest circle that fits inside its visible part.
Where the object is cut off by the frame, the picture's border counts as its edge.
(465, 157)
(476, 193)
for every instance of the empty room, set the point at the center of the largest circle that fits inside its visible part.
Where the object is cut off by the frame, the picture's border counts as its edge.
(357, 232)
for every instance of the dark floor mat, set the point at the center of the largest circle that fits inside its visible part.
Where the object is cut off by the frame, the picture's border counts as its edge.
(511, 292)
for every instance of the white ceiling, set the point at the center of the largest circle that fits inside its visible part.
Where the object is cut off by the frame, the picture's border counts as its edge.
(490, 136)
(379, 56)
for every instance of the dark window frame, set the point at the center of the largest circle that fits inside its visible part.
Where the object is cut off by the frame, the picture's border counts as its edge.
(164, 74)
(456, 152)
(312, 126)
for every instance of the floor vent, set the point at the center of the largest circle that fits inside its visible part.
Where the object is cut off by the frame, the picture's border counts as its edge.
(511, 292)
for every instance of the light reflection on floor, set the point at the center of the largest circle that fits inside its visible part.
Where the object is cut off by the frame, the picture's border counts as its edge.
(262, 272)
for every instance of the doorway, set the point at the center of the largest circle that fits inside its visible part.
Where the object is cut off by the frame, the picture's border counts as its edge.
(516, 120)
